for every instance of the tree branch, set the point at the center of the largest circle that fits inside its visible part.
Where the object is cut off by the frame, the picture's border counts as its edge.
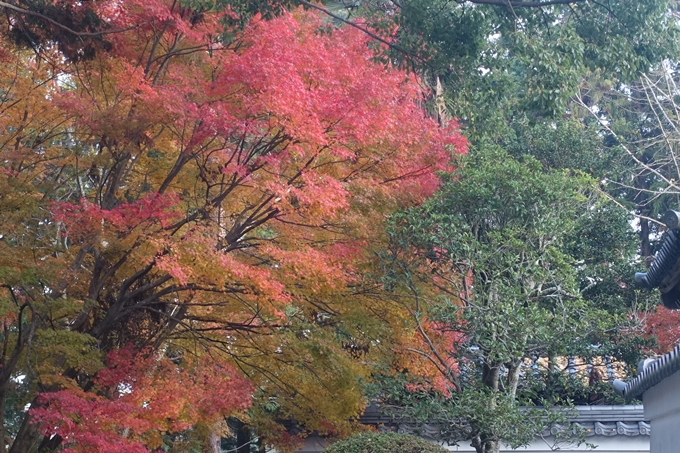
(28, 12)
(363, 29)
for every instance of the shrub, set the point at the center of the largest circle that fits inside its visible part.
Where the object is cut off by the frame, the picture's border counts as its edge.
(384, 443)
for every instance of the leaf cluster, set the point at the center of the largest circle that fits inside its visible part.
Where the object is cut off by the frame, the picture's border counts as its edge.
(523, 259)
(384, 443)
(538, 53)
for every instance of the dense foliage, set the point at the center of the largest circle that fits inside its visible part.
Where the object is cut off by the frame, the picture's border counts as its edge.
(486, 51)
(385, 443)
(489, 271)
(505, 294)
(195, 196)
(639, 124)
(187, 214)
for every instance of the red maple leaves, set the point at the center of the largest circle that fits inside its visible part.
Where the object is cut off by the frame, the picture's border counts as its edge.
(87, 217)
(139, 397)
(210, 185)
(664, 324)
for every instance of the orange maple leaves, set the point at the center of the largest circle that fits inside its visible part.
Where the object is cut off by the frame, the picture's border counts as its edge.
(200, 190)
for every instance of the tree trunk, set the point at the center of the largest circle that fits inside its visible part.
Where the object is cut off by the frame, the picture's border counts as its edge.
(485, 446)
(243, 440)
(214, 443)
(513, 376)
(492, 446)
(491, 379)
(477, 445)
(3, 398)
(491, 375)
(243, 437)
(27, 437)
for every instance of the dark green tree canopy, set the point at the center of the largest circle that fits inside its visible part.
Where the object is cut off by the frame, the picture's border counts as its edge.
(524, 259)
(481, 48)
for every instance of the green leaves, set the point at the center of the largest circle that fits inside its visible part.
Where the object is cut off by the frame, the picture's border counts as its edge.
(69, 349)
(550, 69)
(492, 59)
(385, 443)
(500, 241)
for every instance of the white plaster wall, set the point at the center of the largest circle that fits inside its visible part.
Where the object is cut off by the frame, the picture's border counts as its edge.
(662, 409)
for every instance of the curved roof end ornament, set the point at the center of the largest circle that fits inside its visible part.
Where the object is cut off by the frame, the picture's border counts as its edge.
(664, 272)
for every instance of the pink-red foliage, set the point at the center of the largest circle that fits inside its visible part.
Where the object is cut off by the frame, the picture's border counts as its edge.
(139, 395)
(88, 217)
(664, 324)
(215, 186)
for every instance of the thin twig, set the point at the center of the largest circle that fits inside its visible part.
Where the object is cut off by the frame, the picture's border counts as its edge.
(363, 29)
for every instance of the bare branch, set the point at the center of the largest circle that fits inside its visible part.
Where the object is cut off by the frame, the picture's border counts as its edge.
(605, 125)
(363, 29)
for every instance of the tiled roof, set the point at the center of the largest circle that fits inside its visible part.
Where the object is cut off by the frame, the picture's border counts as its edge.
(624, 420)
(664, 270)
(651, 374)
(610, 413)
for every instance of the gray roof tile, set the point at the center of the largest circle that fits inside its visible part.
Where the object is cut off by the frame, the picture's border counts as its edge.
(653, 374)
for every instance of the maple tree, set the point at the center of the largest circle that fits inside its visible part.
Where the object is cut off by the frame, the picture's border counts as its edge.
(663, 324)
(188, 211)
